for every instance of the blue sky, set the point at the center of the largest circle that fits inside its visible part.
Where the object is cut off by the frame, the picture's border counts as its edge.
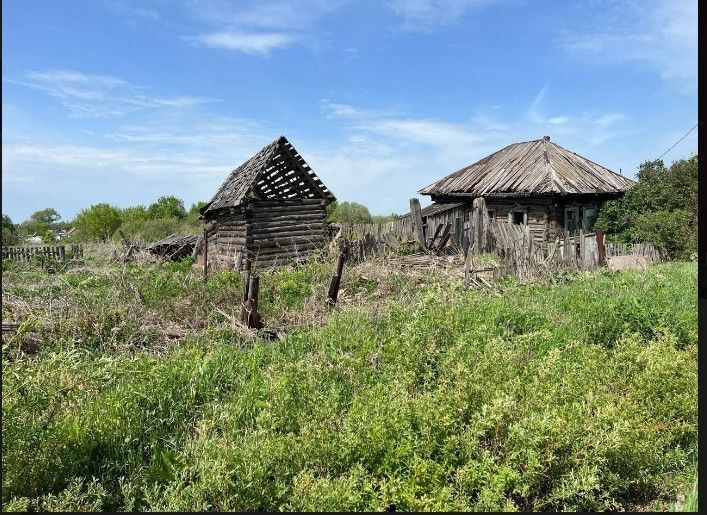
(121, 102)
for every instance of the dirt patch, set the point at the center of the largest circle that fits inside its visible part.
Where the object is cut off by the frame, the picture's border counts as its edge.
(624, 262)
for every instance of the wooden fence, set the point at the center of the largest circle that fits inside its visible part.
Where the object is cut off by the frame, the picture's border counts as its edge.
(54, 252)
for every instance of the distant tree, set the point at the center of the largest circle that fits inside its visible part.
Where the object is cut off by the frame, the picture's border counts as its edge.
(45, 216)
(9, 231)
(660, 209)
(348, 212)
(134, 213)
(167, 207)
(196, 206)
(39, 223)
(98, 222)
(385, 218)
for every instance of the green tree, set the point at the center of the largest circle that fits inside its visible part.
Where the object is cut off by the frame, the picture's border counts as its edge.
(134, 213)
(167, 207)
(40, 222)
(98, 223)
(9, 231)
(660, 209)
(348, 212)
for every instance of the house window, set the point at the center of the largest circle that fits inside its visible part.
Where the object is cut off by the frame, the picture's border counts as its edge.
(518, 218)
(572, 219)
(589, 214)
(492, 215)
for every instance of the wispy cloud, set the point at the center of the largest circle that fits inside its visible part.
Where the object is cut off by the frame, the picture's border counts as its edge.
(387, 150)
(258, 27)
(659, 33)
(98, 96)
(425, 15)
(254, 43)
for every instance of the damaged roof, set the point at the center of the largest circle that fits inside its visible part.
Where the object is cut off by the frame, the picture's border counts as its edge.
(529, 168)
(277, 172)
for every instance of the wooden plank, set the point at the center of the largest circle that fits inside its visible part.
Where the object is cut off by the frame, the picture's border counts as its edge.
(416, 217)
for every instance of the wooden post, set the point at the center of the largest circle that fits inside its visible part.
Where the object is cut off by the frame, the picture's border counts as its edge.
(246, 286)
(480, 223)
(582, 249)
(335, 282)
(416, 218)
(62, 253)
(458, 232)
(206, 257)
(601, 248)
(252, 303)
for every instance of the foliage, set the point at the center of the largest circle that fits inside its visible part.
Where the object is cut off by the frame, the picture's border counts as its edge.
(134, 214)
(660, 209)
(97, 223)
(167, 207)
(377, 219)
(348, 212)
(40, 223)
(149, 230)
(9, 231)
(446, 399)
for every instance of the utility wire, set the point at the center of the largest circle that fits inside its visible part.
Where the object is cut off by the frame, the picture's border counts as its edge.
(678, 141)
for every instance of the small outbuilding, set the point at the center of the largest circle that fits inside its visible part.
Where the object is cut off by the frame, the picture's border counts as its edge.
(271, 209)
(535, 183)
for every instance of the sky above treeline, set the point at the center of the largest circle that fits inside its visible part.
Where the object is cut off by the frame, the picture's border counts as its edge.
(122, 102)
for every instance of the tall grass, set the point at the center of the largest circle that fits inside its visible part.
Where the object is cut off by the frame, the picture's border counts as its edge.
(579, 396)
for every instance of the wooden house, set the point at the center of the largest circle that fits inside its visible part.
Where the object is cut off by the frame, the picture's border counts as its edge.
(272, 209)
(535, 183)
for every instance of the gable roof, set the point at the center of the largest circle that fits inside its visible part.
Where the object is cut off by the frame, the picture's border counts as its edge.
(277, 172)
(531, 167)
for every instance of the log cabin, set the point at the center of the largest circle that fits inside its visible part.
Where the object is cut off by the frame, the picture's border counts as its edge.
(271, 209)
(535, 183)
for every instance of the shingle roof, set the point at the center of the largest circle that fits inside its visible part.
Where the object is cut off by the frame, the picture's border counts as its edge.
(276, 172)
(531, 167)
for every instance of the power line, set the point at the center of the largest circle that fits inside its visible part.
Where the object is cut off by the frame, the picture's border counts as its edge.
(678, 141)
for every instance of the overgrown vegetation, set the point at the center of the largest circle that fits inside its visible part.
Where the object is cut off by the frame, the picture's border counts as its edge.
(660, 209)
(100, 223)
(413, 394)
(354, 213)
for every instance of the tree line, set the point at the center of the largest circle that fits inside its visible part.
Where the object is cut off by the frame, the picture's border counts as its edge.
(167, 215)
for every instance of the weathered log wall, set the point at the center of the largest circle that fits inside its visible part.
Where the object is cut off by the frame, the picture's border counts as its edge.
(280, 231)
(268, 231)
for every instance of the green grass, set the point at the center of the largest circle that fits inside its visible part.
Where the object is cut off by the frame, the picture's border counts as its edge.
(577, 396)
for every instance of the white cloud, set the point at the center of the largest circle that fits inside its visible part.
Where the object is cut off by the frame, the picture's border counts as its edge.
(259, 27)
(253, 43)
(659, 33)
(424, 15)
(99, 96)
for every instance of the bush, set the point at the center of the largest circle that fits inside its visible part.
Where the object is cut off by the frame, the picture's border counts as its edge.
(660, 209)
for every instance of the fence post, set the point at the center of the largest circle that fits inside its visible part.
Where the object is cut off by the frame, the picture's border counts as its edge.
(252, 303)
(246, 287)
(206, 256)
(416, 219)
(333, 292)
(601, 249)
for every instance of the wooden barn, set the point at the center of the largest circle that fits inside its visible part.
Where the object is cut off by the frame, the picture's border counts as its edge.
(272, 209)
(535, 183)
